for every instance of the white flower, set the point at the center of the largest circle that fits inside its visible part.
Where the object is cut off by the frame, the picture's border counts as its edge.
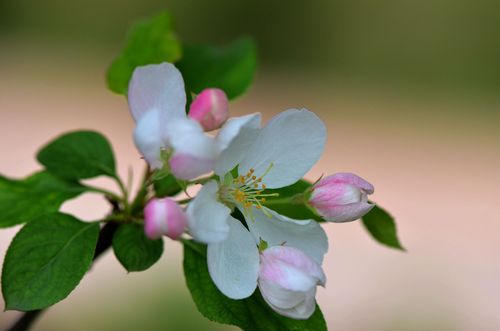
(251, 160)
(164, 134)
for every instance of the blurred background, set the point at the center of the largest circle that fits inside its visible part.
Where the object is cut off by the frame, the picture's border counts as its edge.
(410, 93)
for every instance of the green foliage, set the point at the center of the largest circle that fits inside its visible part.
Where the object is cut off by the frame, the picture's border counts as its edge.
(149, 41)
(230, 68)
(46, 261)
(166, 187)
(382, 227)
(134, 250)
(39, 194)
(291, 201)
(251, 314)
(78, 155)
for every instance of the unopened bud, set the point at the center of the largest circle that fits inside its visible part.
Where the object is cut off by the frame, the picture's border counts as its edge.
(210, 108)
(288, 279)
(341, 197)
(164, 217)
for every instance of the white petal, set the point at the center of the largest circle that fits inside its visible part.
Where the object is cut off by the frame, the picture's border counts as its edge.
(292, 142)
(302, 310)
(290, 268)
(188, 166)
(186, 136)
(278, 296)
(148, 138)
(232, 128)
(234, 140)
(157, 86)
(305, 235)
(207, 217)
(234, 263)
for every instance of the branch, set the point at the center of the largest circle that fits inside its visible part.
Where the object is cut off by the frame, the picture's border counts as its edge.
(26, 320)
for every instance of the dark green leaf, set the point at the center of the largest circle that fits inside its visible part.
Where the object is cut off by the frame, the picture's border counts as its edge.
(382, 227)
(295, 207)
(46, 261)
(149, 41)
(166, 187)
(134, 250)
(40, 194)
(251, 314)
(229, 68)
(78, 155)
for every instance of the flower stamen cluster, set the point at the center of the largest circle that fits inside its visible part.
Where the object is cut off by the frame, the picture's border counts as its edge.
(246, 191)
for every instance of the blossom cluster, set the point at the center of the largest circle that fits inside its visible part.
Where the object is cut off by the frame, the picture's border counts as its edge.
(244, 163)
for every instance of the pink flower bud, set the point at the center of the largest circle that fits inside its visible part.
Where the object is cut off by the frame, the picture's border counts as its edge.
(210, 108)
(164, 217)
(288, 280)
(341, 197)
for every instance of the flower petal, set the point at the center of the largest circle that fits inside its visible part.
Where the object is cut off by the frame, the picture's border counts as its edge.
(233, 263)
(277, 296)
(233, 126)
(346, 213)
(187, 166)
(304, 307)
(148, 138)
(194, 151)
(346, 178)
(186, 136)
(305, 235)
(234, 139)
(207, 217)
(290, 268)
(292, 142)
(157, 86)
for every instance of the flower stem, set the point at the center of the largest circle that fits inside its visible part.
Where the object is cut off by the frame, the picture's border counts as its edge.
(110, 194)
(277, 201)
(184, 201)
(192, 245)
(124, 191)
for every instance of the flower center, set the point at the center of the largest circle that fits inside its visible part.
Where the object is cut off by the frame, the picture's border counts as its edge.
(246, 191)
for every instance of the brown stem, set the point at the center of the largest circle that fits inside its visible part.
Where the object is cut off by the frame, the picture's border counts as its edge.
(27, 319)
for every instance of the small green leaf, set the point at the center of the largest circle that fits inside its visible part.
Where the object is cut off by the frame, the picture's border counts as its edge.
(382, 227)
(29, 198)
(149, 41)
(166, 187)
(251, 314)
(46, 261)
(290, 202)
(78, 155)
(262, 245)
(229, 68)
(134, 250)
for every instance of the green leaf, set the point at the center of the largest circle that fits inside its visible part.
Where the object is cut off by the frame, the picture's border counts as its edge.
(249, 314)
(42, 193)
(78, 155)
(46, 261)
(230, 68)
(166, 187)
(134, 250)
(382, 227)
(291, 202)
(149, 41)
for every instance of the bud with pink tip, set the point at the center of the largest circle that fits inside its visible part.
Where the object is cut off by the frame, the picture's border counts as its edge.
(164, 217)
(341, 197)
(288, 280)
(210, 108)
